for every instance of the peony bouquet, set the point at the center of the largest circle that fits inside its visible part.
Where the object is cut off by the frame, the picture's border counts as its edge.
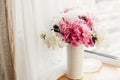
(72, 26)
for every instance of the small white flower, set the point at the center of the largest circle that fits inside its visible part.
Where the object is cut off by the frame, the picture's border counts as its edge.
(60, 41)
(51, 40)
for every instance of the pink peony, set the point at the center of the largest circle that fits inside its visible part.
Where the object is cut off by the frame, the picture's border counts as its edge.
(76, 32)
(87, 20)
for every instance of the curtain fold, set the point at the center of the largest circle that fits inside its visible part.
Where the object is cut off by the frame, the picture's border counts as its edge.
(7, 71)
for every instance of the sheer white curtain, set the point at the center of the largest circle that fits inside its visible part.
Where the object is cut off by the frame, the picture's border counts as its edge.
(34, 61)
(109, 13)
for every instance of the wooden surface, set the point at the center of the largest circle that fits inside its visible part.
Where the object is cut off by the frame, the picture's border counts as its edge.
(107, 72)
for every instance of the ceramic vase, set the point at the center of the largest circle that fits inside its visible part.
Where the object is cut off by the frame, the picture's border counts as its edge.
(75, 56)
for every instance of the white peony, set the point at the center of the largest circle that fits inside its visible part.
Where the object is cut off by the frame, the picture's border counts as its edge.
(54, 40)
(101, 35)
(71, 14)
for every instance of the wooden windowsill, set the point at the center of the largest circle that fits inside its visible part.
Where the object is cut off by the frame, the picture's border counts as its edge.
(107, 72)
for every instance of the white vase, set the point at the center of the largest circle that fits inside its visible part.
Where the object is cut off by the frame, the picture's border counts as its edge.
(75, 57)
